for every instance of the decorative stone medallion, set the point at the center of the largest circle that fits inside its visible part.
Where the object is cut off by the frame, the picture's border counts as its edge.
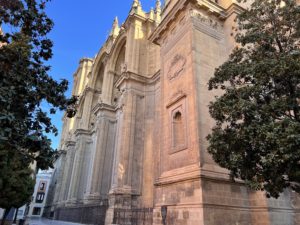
(176, 67)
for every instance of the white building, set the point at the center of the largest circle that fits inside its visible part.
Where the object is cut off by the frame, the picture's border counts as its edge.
(43, 179)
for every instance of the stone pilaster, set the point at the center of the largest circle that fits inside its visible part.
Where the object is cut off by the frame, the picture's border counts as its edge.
(81, 142)
(60, 180)
(108, 85)
(67, 167)
(128, 159)
(100, 172)
(84, 122)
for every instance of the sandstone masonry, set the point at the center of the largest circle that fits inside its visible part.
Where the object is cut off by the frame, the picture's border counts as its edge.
(137, 144)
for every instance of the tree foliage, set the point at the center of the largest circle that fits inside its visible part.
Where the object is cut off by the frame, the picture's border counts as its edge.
(16, 183)
(25, 86)
(257, 132)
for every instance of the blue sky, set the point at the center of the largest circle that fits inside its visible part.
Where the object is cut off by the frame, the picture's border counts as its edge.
(80, 29)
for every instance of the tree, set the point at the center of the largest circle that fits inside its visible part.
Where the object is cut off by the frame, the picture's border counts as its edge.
(257, 132)
(24, 86)
(16, 183)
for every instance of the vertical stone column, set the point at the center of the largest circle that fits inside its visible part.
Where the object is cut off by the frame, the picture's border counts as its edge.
(66, 167)
(85, 119)
(77, 167)
(108, 85)
(93, 189)
(60, 180)
(136, 35)
(122, 160)
(129, 150)
(69, 169)
(102, 155)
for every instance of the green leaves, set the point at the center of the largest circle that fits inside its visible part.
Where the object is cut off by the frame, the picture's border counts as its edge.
(257, 132)
(25, 86)
(16, 182)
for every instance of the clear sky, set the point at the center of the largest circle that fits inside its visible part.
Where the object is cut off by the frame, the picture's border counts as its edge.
(80, 29)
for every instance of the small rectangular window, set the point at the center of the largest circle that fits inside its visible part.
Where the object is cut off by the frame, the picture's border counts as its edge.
(42, 186)
(39, 197)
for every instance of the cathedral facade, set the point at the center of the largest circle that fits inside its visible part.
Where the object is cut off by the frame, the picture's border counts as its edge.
(136, 151)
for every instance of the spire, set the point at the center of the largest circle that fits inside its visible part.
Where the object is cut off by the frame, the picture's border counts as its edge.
(115, 28)
(140, 4)
(136, 7)
(135, 3)
(151, 14)
(158, 6)
(158, 11)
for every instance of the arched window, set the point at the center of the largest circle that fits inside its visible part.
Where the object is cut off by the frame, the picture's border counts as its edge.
(99, 80)
(120, 60)
(178, 130)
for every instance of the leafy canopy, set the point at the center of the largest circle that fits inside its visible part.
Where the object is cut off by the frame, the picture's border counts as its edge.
(25, 86)
(16, 183)
(257, 132)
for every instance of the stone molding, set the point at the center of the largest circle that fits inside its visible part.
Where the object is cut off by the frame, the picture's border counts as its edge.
(176, 97)
(79, 132)
(130, 76)
(179, 175)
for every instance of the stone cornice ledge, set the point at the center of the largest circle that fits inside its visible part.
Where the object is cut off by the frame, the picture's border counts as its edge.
(69, 143)
(233, 8)
(137, 78)
(194, 172)
(154, 37)
(211, 7)
(82, 132)
(103, 106)
(179, 175)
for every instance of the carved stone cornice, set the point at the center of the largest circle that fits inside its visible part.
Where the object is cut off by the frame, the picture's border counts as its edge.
(233, 8)
(69, 143)
(130, 76)
(210, 7)
(179, 175)
(79, 132)
(157, 34)
(176, 97)
(103, 107)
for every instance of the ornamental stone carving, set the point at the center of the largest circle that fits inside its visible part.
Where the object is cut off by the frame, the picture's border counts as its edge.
(206, 20)
(176, 67)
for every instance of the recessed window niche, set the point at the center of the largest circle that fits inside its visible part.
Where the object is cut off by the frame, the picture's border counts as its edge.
(178, 129)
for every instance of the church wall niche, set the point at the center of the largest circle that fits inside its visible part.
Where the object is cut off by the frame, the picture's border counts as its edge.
(119, 69)
(178, 128)
(114, 68)
(97, 92)
(120, 60)
(99, 79)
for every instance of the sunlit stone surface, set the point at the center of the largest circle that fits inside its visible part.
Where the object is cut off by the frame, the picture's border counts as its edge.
(138, 140)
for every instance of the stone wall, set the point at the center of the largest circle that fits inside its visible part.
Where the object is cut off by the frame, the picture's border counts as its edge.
(139, 138)
(85, 214)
